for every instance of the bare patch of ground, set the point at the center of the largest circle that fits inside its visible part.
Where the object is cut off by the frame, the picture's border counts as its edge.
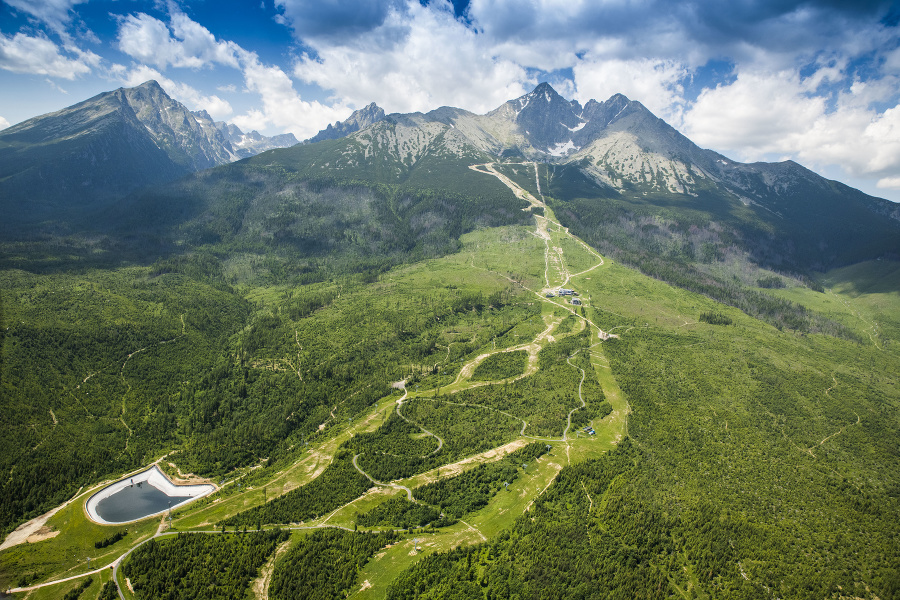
(260, 586)
(463, 465)
(44, 533)
(32, 527)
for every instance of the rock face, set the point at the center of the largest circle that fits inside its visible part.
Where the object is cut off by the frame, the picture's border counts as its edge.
(105, 147)
(91, 154)
(360, 119)
(617, 144)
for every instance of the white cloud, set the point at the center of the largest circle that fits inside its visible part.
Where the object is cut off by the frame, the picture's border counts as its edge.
(3, 123)
(216, 107)
(418, 59)
(888, 183)
(55, 13)
(282, 105)
(40, 56)
(250, 120)
(757, 114)
(55, 86)
(189, 44)
(653, 82)
(186, 43)
(760, 116)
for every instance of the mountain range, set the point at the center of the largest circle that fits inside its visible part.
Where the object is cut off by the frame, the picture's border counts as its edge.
(367, 332)
(613, 155)
(107, 146)
(616, 151)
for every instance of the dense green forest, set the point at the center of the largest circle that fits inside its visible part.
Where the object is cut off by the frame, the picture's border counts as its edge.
(324, 564)
(465, 493)
(236, 380)
(401, 513)
(196, 565)
(320, 330)
(390, 453)
(577, 542)
(501, 366)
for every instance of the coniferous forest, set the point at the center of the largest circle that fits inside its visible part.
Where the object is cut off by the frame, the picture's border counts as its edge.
(413, 379)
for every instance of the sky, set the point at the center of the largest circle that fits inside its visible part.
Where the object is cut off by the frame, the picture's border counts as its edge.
(815, 81)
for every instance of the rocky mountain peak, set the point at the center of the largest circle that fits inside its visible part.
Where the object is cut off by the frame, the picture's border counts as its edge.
(360, 119)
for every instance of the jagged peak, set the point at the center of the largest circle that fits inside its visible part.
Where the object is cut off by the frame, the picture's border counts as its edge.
(618, 99)
(546, 91)
(150, 84)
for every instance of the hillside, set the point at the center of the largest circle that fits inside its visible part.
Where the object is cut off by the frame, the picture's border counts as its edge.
(58, 166)
(362, 342)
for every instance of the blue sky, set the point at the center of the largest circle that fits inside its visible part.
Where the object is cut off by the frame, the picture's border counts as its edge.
(814, 81)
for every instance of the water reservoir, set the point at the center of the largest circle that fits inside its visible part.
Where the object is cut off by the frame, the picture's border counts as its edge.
(146, 494)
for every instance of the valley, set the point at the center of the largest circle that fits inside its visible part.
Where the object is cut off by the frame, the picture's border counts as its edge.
(568, 445)
(421, 359)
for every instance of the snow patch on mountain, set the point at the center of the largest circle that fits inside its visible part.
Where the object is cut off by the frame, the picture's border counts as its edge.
(562, 149)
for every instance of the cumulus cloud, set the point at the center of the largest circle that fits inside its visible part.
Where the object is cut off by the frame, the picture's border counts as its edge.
(184, 43)
(888, 183)
(216, 107)
(653, 82)
(55, 13)
(757, 114)
(3, 123)
(282, 106)
(689, 32)
(418, 59)
(22, 53)
(760, 115)
(189, 44)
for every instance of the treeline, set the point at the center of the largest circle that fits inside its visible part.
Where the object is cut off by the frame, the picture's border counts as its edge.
(357, 220)
(472, 490)
(198, 566)
(325, 564)
(111, 539)
(337, 485)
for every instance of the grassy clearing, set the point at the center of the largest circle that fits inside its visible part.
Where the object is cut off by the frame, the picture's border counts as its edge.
(67, 554)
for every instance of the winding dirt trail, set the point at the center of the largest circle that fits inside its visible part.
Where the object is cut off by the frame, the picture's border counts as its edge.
(409, 494)
(260, 585)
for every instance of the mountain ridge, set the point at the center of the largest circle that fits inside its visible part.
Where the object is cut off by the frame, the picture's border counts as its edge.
(102, 148)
